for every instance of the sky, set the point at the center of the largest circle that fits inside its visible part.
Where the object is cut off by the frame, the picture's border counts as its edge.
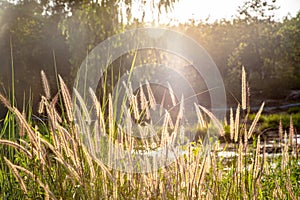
(184, 10)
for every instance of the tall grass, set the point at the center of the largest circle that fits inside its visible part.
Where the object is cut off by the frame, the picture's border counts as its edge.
(52, 160)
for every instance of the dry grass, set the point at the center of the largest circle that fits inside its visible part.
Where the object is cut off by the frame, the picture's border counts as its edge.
(62, 158)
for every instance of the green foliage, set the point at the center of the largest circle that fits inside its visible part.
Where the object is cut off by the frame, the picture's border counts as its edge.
(266, 48)
(269, 50)
(46, 33)
(271, 121)
(293, 110)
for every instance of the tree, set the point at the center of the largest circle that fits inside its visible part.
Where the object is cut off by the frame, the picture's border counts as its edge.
(288, 55)
(255, 43)
(67, 28)
(93, 22)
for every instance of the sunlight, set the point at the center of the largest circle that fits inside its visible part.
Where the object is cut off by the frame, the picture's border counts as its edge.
(184, 11)
(203, 10)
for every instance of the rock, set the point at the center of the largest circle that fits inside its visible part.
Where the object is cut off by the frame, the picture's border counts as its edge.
(294, 95)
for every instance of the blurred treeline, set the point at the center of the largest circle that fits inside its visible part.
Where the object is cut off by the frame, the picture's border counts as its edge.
(56, 35)
(270, 52)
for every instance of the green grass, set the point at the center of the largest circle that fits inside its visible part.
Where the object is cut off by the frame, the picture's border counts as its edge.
(272, 120)
(294, 110)
(50, 161)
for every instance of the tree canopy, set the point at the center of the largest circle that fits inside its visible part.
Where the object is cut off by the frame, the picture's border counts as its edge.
(41, 34)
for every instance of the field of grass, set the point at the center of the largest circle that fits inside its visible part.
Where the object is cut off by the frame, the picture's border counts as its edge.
(48, 159)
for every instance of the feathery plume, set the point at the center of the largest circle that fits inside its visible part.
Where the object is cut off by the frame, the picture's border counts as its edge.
(90, 163)
(291, 132)
(231, 125)
(21, 127)
(5, 101)
(22, 122)
(240, 156)
(83, 107)
(237, 123)
(172, 95)
(244, 89)
(199, 116)
(280, 129)
(215, 121)
(45, 85)
(72, 171)
(257, 116)
(98, 110)
(289, 188)
(41, 106)
(95, 101)
(144, 103)
(151, 96)
(16, 174)
(17, 146)
(165, 133)
(284, 152)
(296, 145)
(110, 115)
(66, 98)
(134, 103)
(256, 160)
(45, 187)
